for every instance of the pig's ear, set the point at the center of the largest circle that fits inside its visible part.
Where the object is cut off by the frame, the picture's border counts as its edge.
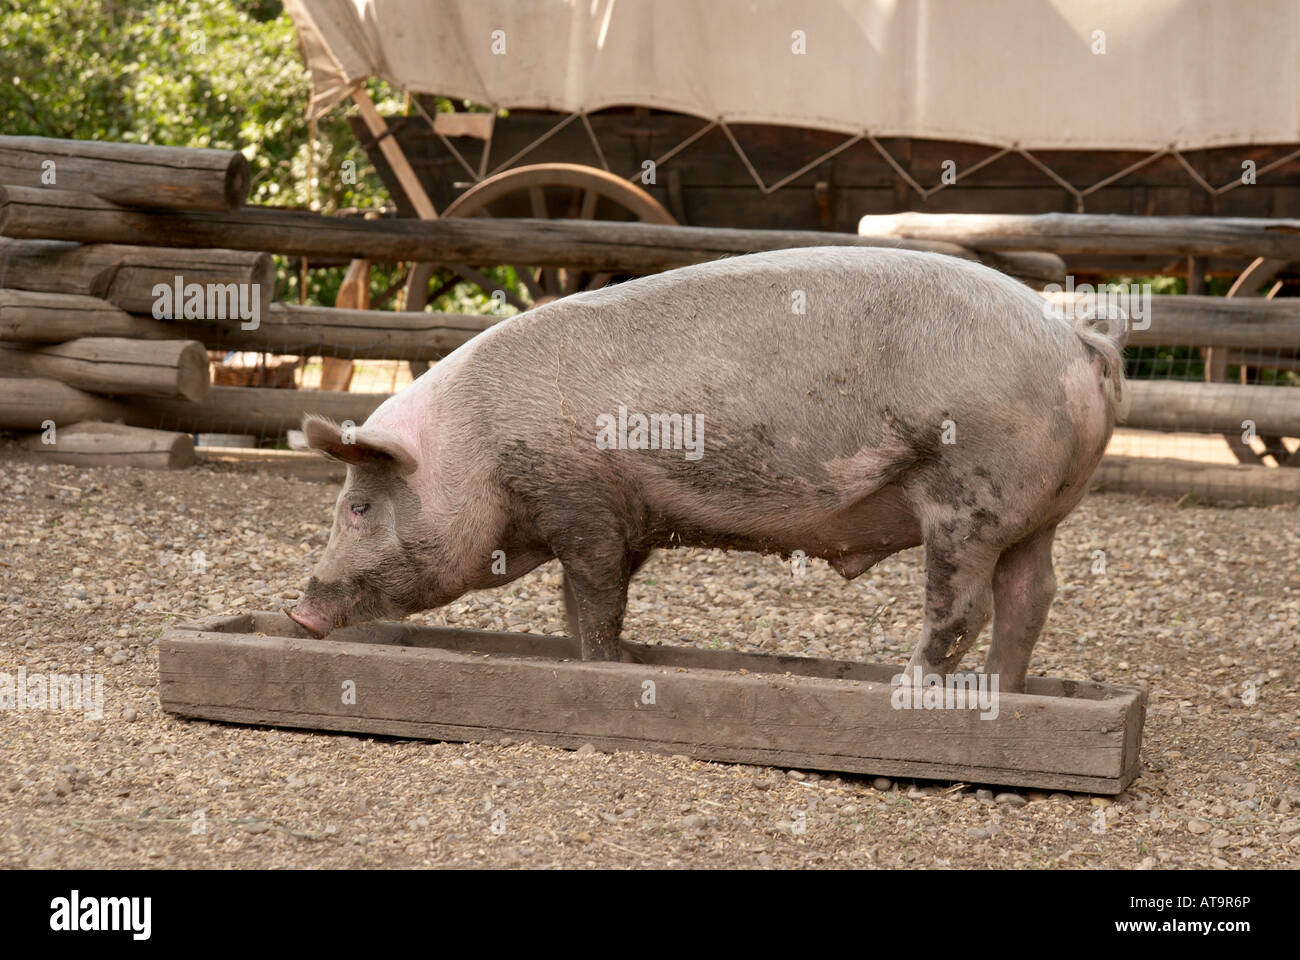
(361, 446)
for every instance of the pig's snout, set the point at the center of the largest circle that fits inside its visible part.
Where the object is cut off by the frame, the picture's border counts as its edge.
(309, 620)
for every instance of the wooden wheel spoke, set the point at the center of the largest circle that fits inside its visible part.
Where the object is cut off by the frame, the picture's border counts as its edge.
(551, 282)
(572, 280)
(537, 200)
(488, 285)
(529, 280)
(589, 200)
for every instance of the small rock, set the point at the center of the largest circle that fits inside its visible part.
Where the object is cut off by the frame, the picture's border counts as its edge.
(507, 741)
(1198, 827)
(118, 659)
(983, 794)
(977, 833)
(796, 775)
(882, 783)
(62, 787)
(259, 827)
(765, 859)
(583, 837)
(129, 714)
(1010, 800)
(586, 750)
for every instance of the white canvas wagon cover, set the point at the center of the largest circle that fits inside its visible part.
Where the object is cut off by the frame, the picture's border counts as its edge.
(1184, 74)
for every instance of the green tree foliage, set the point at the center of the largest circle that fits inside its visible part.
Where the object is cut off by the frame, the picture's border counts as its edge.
(217, 73)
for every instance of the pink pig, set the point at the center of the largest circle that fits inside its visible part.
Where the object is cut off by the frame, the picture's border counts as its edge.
(916, 399)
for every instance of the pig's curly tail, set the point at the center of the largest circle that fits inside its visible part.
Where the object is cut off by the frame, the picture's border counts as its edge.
(1106, 336)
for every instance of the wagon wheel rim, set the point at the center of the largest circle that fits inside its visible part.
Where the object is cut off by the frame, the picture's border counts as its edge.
(583, 188)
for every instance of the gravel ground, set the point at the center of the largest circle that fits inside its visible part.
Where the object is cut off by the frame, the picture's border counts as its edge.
(1201, 604)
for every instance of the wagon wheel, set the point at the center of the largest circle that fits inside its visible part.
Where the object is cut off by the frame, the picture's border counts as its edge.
(1259, 274)
(544, 191)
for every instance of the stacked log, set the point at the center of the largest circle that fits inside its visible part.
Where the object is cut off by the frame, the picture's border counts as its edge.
(91, 332)
(28, 403)
(173, 178)
(115, 365)
(112, 444)
(129, 277)
(36, 318)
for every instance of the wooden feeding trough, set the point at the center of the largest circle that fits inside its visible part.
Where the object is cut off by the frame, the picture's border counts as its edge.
(438, 683)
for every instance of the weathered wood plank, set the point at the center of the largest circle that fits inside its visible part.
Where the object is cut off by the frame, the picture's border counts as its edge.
(134, 174)
(702, 706)
(557, 647)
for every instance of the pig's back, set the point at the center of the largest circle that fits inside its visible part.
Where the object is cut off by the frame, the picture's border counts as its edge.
(804, 416)
(883, 334)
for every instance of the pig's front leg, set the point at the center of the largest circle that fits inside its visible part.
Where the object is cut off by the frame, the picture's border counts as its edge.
(595, 596)
(636, 559)
(1023, 586)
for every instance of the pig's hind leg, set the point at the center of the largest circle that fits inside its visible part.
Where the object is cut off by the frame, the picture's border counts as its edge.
(960, 556)
(1023, 587)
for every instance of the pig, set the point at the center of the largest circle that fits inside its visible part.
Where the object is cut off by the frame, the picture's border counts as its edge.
(846, 402)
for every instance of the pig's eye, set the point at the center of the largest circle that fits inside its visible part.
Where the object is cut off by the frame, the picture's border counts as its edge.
(359, 508)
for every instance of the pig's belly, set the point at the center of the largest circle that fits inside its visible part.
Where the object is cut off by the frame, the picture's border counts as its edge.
(852, 537)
